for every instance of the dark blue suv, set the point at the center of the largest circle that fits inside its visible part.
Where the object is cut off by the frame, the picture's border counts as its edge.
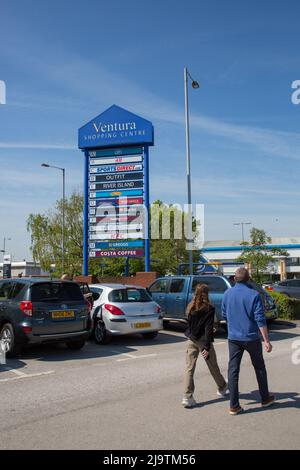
(42, 310)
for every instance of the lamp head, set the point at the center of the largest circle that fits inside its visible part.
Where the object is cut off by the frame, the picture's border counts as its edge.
(195, 84)
(45, 165)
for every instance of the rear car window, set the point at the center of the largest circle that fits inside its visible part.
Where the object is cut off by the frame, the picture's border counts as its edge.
(18, 287)
(56, 292)
(215, 284)
(129, 295)
(5, 290)
(96, 290)
(85, 288)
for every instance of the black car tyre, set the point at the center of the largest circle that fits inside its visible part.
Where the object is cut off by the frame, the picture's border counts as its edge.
(100, 333)
(166, 323)
(8, 341)
(151, 335)
(75, 344)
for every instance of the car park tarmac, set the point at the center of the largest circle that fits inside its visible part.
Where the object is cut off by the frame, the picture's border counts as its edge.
(126, 395)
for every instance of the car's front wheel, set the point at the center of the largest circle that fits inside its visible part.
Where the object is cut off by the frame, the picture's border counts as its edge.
(100, 333)
(75, 344)
(8, 341)
(151, 335)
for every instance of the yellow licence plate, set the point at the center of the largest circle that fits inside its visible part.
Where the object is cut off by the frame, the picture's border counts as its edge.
(142, 325)
(63, 314)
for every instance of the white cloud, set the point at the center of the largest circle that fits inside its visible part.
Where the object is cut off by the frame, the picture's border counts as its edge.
(167, 186)
(89, 88)
(36, 145)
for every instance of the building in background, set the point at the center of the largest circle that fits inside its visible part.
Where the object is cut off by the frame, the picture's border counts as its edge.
(228, 251)
(24, 269)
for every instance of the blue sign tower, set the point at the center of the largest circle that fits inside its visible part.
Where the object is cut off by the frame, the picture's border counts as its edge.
(116, 185)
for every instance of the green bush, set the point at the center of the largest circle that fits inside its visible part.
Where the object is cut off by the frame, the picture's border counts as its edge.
(288, 308)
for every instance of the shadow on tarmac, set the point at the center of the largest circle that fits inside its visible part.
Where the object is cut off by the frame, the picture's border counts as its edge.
(127, 344)
(283, 400)
(12, 364)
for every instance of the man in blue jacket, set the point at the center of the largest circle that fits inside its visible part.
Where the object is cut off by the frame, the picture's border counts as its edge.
(243, 310)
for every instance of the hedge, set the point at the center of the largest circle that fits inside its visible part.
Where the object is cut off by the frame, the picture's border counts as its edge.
(288, 308)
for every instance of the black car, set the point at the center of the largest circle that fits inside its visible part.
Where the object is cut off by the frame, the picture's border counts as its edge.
(40, 311)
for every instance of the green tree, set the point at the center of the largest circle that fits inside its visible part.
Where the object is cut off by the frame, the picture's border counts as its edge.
(46, 236)
(167, 254)
(258, 255)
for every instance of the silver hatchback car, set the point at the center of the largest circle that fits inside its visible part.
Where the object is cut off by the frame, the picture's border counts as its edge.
(124, 309)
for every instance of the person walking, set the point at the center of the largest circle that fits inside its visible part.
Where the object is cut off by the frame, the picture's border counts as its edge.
(243, 310)
(200, 316)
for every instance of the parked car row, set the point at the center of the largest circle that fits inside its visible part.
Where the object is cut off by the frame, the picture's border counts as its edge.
(42, 311)
(289, 287)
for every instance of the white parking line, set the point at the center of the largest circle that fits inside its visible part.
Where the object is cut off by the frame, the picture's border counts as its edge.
(124, 354)
(15, 371)
(25, 376)
(136, 357)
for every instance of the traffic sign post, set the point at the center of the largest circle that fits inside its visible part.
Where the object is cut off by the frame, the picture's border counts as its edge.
(7, 266)
(116, 186)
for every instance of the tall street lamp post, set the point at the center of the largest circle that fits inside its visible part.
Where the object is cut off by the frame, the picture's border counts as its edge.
(4, 244)
(195, 85)
(242, 225)
(45, 165)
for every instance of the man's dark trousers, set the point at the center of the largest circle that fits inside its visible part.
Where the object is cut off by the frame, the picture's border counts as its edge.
(236, 351)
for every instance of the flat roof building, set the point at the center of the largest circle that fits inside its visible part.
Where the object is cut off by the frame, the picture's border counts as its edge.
(24, 269)
(228, 251)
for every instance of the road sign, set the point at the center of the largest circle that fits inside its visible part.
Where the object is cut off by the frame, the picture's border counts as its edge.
(115, 168)
(117, 253)
(116, 180)
(116, 185)
(116, 193)
(6, 266)
(115, 236)
(120, 151)
(110, 161)
(128, 176)
(113, 245)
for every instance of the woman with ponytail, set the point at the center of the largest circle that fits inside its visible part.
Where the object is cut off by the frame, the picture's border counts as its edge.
(200, 316)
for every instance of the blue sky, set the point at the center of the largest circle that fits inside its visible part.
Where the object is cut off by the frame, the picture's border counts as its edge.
(64, 62)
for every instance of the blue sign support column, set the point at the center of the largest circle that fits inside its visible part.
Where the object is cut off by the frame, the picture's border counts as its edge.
(147, 206)
(85, 269)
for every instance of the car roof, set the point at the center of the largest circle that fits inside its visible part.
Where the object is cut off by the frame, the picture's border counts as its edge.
(33, 280)
(117, 286)
(173, 276)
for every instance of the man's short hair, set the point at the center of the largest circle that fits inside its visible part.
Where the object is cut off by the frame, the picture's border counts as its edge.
(241, 275)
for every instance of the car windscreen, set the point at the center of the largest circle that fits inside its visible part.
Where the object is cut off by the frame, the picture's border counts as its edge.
(56, 292)
(214, 283)
(129, 295)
